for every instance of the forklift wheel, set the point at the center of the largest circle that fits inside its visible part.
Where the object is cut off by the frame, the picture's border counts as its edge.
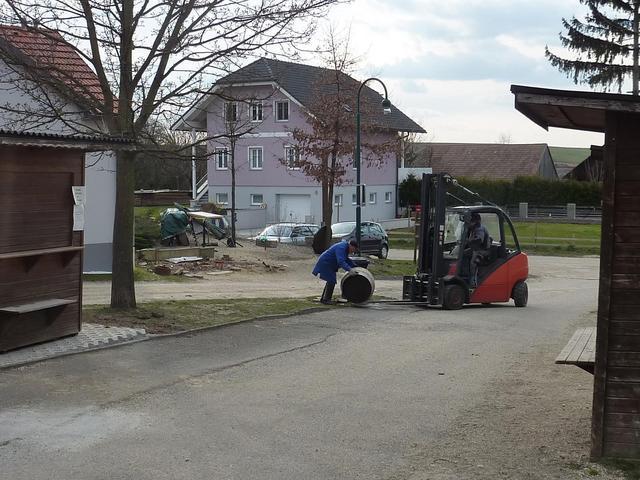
(520, 294)
(453, 297)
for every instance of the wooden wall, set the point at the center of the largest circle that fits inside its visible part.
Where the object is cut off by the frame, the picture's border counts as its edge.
(616, 402)
(40, 255)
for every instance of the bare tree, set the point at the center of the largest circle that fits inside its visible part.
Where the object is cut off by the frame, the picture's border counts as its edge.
(325, 149)
(151, 57)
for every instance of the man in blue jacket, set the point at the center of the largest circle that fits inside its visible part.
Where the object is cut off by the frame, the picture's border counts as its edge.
(330, 262)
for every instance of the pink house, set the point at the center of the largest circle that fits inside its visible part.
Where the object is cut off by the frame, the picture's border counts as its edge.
(262, 104)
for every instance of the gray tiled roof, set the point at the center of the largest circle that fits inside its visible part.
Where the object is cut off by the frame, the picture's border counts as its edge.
(480, 160)
(299, 81)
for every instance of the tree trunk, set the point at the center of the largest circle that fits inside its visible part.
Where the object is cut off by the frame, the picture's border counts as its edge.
(123, 293)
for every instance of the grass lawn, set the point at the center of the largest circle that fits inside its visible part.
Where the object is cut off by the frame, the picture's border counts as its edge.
(178, 316)
(535, 237)
(391, 268)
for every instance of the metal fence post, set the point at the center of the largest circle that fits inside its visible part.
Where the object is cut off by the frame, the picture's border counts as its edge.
(523, 210)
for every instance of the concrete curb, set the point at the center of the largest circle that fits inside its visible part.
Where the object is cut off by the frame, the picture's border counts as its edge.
(150, 337)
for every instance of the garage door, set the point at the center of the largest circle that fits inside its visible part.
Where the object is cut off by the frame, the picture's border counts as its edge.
(294, 208)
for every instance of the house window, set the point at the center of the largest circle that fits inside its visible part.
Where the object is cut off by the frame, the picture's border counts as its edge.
(222, 198)
(387, 197)
(338, 200)
(221, 156)
(255, 111)
(257, 199)
(255, 158)
(282, 111)
(292, 157)
(354, 199)
(373, 197)
(231, 111)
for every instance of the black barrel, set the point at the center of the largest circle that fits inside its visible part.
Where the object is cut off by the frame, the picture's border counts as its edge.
(357, 285)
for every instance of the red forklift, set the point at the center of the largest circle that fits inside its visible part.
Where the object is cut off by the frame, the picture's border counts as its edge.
(445, 252)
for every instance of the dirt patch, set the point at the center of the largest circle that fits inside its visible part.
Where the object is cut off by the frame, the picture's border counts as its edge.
(534, 422)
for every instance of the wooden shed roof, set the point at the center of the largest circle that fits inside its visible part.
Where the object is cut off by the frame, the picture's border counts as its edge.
(572, 109)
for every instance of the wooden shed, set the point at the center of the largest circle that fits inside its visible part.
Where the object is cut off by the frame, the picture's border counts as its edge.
(41, 237)
(615, 428)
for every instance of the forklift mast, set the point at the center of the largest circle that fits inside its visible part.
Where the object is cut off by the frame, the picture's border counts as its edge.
(432, 223)
(425, 285)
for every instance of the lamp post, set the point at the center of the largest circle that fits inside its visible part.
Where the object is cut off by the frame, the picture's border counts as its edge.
(386, 109)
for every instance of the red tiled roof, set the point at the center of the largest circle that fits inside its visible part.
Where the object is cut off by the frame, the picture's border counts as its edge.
(481, 160)
(53, 56)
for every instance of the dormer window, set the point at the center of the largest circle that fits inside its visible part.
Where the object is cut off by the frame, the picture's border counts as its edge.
(282, 111)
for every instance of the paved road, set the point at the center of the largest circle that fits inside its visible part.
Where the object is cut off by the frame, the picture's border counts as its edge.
(348, 394)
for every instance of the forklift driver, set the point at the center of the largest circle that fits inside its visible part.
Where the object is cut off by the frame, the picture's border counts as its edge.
(479, 242)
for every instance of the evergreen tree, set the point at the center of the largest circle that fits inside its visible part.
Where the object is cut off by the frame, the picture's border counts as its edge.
(606, 42)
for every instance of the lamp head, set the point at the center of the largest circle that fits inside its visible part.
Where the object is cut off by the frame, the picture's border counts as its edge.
(386, 106)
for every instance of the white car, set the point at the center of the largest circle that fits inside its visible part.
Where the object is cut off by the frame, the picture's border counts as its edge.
(295, 233)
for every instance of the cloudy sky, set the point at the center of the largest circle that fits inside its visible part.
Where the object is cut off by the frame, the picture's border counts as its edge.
(449, 64)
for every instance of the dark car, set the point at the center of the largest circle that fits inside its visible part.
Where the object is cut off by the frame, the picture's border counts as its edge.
(373, 238)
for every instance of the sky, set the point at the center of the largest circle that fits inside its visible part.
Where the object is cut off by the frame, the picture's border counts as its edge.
(449, 64)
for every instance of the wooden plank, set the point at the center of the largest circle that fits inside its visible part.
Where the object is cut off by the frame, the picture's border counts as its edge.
(624, 374)
(625, 280)
(39, 327)
(623, 405)
(576, 353)
(621, 450)
(627, 250)
(37, 306)
(626, 297)
(628, 203)
(624, 343)
(569, 347)
(627, 235)
(623, 389)
(623, 420)
(625, 312)
(625, 327)
(622, 435)
(627, 219)
(626, 265)
(43, 251)
(630, 172)
(580, 349)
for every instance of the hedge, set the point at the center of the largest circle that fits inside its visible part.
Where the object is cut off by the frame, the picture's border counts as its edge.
(534, 190)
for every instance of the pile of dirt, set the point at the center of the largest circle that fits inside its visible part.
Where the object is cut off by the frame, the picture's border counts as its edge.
(239, 259)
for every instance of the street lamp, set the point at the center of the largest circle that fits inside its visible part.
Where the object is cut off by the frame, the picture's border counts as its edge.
(386, 109)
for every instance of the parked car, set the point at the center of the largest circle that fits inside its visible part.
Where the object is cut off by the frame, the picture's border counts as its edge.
(295, 233)
(373, 238)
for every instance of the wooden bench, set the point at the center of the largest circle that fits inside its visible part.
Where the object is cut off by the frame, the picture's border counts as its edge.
(581, 350)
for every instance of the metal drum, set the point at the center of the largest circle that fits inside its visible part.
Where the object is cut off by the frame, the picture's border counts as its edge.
(357, 285)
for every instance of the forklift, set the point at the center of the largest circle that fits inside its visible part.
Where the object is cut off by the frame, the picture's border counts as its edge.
(445, 251)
